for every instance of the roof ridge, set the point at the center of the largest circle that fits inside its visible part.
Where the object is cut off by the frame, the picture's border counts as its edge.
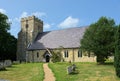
(65, 29)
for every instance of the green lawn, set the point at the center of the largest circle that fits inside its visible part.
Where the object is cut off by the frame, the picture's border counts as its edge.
(24, 72)
(87, 72)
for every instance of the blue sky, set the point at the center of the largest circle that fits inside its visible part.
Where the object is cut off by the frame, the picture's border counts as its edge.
(60, 14)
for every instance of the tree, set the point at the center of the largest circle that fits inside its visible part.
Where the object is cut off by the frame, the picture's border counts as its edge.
(8, 42)
(99, 39)
(11, 48)
(117, 52)
(56, 54)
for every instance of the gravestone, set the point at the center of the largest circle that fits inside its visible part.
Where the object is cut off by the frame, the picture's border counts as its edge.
(1, 65)
(69, 70)
(73, 67)
(7, 63)
(16, 62)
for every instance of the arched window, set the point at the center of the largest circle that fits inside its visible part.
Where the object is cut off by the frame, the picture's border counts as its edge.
(66, 55)
(79, 53)
(37, 54)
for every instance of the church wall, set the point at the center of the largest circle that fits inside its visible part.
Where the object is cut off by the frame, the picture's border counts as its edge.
(38, 56)
(85, 57)
(30, 27)
(38, 27)
(21, 47)
(73, 56)
(70, 55)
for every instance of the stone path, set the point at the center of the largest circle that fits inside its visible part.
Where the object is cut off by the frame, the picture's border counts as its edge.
(49, 76)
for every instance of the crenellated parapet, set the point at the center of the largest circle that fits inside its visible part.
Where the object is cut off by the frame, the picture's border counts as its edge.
(31, 18)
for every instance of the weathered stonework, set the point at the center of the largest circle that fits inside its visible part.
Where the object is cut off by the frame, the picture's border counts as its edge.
(30, 27)
(72, 56)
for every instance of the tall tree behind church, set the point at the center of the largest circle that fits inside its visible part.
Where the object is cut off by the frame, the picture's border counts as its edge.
(7, 41)
(99, 39)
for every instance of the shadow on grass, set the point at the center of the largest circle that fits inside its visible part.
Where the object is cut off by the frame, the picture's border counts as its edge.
(3, 69)
(74, 72)
(8, 68)
(109, 63)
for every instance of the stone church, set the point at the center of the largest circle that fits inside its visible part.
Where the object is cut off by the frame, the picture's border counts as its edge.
(35, 45)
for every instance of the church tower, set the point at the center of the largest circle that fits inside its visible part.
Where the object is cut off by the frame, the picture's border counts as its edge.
(30, 27)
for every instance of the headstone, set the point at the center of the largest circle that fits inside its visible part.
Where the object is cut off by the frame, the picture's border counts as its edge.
(69, 70)
(1, 65)
(16, 62)
(7, 63)
(73, 67)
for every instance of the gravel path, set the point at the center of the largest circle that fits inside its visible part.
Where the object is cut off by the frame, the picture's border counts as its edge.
(49, 76)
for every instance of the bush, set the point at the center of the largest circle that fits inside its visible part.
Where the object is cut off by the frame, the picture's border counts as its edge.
(56, 56)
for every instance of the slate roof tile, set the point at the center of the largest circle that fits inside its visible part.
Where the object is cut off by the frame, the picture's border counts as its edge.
(67, 38)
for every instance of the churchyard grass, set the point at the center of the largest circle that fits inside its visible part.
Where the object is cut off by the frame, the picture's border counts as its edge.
(86, 72)
(23, 72)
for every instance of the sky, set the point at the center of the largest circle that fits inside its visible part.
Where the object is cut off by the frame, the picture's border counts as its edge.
(59, 14)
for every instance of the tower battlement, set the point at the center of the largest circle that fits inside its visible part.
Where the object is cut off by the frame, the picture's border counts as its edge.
(31, 18)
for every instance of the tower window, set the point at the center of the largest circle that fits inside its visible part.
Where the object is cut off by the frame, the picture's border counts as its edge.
(26, 26)
(79, 53)
(66, 54)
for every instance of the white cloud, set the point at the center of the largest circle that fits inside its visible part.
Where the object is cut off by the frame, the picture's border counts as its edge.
(39, 14)
(24, 14)
(69, 22)
(3, 11)
(47, 26)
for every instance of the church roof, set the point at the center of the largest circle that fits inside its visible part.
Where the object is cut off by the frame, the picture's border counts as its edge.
(67, 38)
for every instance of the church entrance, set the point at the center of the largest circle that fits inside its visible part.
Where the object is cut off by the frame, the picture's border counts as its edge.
(47, 57)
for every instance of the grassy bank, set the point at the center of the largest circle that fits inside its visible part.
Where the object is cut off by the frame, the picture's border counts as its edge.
(87, 72)
(24, 72)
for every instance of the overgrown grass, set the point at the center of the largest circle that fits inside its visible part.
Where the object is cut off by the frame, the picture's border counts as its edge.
(24, 72)
(87, 72)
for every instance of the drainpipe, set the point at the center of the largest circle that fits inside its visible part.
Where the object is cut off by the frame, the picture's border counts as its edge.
(73, 55)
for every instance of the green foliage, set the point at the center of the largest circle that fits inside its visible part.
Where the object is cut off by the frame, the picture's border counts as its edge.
(4, 25)
(99, 39)
(8, 43)
(56, 56)
(117, 52)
